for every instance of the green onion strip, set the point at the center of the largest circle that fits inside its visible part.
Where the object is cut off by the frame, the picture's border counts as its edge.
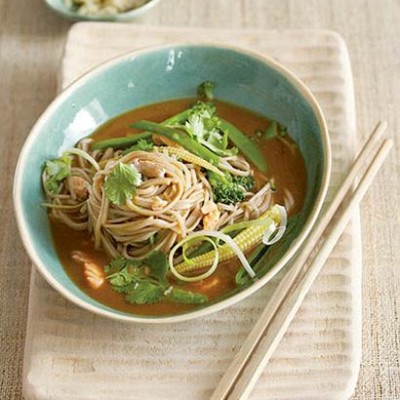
(86, 156)
(184, 244)
(274, 232)
(207, 234)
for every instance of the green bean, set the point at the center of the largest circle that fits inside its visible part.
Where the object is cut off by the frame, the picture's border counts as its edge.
(120, 142)
(128, 141)
(245, 145)
(179, 137)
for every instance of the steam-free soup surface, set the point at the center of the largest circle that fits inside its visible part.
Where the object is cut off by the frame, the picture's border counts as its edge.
(285, 166)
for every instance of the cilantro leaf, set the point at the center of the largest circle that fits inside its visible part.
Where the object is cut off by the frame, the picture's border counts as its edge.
(122, 278)
(146, 293)
(186, 297)
(115, 265)
(56, 171)
(158, 263)
(144, 145)
(141, 145)
(124, 272)
(125, 289)
(121, 183)
(203, 125)
(128, 277)
(200, 107)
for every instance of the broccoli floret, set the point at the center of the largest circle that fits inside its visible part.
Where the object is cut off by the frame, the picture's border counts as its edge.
(246, 182)
(225, 190)
(228, 193)
(205, 90)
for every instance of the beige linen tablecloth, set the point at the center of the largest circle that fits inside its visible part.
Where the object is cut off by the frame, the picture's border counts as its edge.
(31, 45)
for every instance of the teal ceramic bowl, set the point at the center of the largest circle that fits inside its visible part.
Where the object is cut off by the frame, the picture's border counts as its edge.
(157, 74)
(61, 9)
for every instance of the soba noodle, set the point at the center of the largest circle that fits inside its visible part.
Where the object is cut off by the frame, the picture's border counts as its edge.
(174, 199)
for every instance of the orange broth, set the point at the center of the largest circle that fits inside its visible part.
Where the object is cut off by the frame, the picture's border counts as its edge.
(285, 165)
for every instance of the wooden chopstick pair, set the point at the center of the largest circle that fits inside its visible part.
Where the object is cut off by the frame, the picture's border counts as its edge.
(245, 369)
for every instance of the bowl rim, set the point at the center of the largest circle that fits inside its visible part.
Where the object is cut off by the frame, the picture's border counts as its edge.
(219, 305)
(125, 16)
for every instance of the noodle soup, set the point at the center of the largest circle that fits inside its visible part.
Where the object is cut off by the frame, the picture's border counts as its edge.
(179, 209)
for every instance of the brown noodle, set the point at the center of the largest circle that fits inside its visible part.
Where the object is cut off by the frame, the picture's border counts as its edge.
(174, 199)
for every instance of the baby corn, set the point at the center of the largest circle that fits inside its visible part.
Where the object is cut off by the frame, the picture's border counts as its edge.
(189, 157)
(246, 240)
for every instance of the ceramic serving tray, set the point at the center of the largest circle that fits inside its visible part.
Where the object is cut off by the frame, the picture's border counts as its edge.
(72, 354)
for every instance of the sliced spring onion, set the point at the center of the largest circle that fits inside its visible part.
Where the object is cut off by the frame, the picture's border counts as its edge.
(182, 243)
(187, 244)
(86, 156)
(247, 224)
(253, 257)
(274, 232)
(220, 236)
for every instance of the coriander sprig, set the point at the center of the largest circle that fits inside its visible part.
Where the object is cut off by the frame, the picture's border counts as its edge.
(121, 183)
(142, 285)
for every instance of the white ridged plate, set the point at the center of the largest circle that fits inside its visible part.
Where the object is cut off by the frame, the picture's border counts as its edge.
(73, 354)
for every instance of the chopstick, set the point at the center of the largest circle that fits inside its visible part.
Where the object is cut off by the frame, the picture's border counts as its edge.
(250, 361)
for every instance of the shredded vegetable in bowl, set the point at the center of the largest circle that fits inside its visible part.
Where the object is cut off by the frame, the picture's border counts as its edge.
(104, 7)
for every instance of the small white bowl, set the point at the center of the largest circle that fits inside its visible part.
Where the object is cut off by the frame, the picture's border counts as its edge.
(61, 9)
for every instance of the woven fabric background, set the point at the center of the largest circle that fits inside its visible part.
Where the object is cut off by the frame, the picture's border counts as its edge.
(31, 45)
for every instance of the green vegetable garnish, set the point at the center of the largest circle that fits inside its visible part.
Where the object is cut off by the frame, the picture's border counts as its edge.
(201, 107)
(126, 276)
(205, 90)
(274, 130)
(56, 171)
(141, 145)
(128, 141)
(227, 194)
(140, 287)
(179, 137)
(228, 189)
(120, 142)
(204, 126)
(241, 141)
(159, 266)
(242, 277)
(118, 263)
(145, 293)
(225, 190)
(121, 183)
(262, 258)
(186, 297)
(209, 134)
(245, 145)
(246, 182)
